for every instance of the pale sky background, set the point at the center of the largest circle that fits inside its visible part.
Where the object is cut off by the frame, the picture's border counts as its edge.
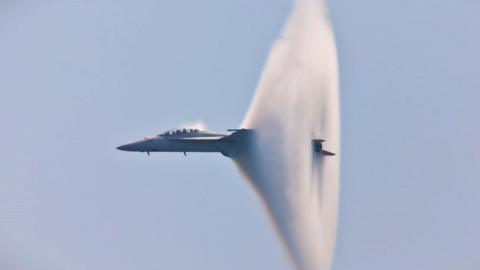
(78, 78)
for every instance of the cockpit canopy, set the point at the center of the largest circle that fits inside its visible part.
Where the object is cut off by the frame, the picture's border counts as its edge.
(179, 131)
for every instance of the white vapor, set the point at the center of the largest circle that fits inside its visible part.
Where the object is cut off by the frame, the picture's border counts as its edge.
(297, 100)
(198, 124)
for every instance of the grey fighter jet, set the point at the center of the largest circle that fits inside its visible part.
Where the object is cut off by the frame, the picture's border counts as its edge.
(193, 140)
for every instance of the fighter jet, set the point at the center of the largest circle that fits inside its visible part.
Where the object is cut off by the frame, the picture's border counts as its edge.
(193, 140)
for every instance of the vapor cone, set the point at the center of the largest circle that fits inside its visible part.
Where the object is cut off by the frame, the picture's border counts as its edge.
(297, 101)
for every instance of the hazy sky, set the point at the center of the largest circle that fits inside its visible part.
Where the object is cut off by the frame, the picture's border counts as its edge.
(78, 78)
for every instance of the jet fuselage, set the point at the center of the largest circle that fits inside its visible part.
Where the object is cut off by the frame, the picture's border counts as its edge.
(193, 140)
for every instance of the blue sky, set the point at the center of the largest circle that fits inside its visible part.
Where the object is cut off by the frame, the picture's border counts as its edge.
(78, 78)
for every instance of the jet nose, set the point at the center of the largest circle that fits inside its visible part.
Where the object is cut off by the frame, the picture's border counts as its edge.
(132, 147)
(140, 146)
(123, 147)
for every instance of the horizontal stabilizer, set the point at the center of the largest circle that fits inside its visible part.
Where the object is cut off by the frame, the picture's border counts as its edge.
(326, 153)
(318, 147)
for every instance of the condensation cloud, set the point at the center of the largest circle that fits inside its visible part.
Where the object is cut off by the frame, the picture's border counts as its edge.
(297, 101)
